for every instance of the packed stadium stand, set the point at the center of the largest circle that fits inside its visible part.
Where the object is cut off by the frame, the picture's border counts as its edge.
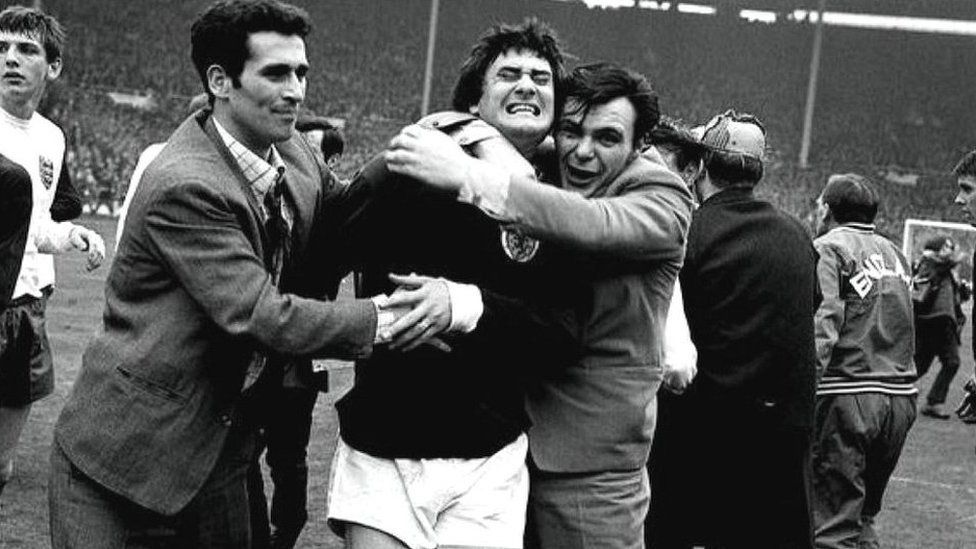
(888, 102)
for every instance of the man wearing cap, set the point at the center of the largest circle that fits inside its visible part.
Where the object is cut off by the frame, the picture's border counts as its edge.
(938, 295)
(750, 290)
(865, 394)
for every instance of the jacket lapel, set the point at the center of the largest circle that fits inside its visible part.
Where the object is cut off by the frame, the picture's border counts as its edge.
(211, 131)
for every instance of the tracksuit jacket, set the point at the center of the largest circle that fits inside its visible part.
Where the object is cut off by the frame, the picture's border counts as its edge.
(864, 333)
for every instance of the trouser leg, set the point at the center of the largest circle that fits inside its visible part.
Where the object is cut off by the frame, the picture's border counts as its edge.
(587, 510)
(258, 507)
(85, 515)
(948, 351)
(882, 457)
(670, 517)
(288, 435)
(12, 421)
(924, 346)
(844, 430)
(219, 515)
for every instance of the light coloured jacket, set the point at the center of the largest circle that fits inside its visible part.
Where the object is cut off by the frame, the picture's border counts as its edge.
(599, 413)
(864, 333)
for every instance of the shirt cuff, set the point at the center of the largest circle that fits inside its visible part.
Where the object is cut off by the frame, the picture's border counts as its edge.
(466, 306)
(487, 188)
(384, 320)
(53, 237)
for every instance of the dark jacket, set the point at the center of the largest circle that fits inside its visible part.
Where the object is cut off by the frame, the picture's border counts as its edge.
(15, 215)
(470, 402)
(750, 288)
(937, 289)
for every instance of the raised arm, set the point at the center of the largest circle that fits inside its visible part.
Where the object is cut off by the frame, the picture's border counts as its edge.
(644, 214)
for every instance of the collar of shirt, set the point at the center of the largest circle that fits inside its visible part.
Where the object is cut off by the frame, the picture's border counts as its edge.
(260, 174)
(15, 121)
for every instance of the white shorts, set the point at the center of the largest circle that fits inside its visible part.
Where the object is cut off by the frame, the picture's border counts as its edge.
(428, 503)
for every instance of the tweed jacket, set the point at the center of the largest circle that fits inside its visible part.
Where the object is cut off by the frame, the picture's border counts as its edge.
(598, 413)
(751, 290)
(188, 301)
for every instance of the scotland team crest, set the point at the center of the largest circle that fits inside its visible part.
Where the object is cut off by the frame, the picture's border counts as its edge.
(47, 172)
(518, 246)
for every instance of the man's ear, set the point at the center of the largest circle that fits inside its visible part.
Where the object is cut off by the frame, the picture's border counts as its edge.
(218, 81)
(54, 69)
(691, 171)
(473, 109)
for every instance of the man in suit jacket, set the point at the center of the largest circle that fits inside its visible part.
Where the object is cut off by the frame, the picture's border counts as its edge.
(625, 216)
(156, 431)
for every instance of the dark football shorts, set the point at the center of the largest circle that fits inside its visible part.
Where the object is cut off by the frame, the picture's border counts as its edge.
(26, 367)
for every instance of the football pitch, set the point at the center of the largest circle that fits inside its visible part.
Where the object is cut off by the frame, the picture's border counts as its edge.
(930, 502)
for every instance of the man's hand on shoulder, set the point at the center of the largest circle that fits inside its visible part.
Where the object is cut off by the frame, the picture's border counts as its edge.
(429, 156)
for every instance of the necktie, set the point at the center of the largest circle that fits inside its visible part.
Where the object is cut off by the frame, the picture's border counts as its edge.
(275, 254)
(277, 227)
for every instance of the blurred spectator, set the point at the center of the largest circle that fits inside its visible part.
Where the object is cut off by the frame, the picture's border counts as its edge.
(938, 294)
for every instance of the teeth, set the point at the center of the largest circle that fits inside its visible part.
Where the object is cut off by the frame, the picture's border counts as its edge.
(523, 108)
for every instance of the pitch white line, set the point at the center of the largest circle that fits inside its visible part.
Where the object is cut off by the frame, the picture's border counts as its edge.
(969, 489)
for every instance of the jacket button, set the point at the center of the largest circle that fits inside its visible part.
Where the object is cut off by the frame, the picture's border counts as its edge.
(226, 420)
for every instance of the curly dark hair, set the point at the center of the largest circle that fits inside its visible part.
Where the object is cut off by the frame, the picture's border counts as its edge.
(531, 35)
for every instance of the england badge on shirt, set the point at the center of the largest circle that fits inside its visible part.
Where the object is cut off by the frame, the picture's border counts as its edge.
(518, 246)
(47, 172)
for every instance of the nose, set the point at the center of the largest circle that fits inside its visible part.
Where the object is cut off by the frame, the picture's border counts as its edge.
(525, 87)
(294, 89)
(960, 200)
(10, 58)
(584, 149)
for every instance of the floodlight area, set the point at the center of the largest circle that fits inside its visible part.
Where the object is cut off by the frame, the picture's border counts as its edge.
(700, 9)
(888, 22)
(837, 19)
(758, 16)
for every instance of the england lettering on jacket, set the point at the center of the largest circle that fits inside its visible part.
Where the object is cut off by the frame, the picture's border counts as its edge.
(874, 268)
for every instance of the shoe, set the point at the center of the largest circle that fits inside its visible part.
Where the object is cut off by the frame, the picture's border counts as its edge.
(935, 410)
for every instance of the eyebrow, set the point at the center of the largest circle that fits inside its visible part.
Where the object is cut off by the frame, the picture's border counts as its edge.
(533, 72)
(278, 68)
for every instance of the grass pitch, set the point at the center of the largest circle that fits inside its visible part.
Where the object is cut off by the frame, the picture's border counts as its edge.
(930, 503)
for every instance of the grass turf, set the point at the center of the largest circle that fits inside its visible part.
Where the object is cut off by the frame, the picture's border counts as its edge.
(930, 502)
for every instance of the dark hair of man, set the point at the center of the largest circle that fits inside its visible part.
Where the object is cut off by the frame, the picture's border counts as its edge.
(966, 166)
(219, 34)
(732, 169)
(531, 35)
(37, 25)
(600, 83)
(851, 198)
(671, 136)
(332, 141)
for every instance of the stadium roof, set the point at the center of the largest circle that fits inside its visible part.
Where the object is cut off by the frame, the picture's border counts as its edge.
(947, 9)
(937, 9)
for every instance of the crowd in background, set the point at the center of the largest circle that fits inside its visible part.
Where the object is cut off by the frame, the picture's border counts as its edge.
(369, 66)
